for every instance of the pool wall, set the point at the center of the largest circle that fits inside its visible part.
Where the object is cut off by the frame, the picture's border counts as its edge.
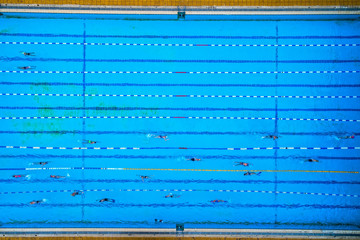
(171, 234)
(173, 10)
(247, 3)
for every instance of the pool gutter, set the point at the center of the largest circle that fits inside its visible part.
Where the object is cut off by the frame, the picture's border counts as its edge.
(168, 10)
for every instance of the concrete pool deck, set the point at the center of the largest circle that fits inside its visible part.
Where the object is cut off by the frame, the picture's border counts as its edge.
(278, 3)
(173, 10)
(192, 7)
(172, 234)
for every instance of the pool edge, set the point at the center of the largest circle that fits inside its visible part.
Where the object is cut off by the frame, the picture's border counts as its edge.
(171, 233)
(190, 10)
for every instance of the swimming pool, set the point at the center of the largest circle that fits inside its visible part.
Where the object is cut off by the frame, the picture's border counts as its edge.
(269, 91)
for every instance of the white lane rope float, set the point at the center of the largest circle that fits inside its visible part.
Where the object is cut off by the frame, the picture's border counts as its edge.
(183, 117)
(185, 44)
(172, 95)
(182, 72)
(175, 148)
(182, 190)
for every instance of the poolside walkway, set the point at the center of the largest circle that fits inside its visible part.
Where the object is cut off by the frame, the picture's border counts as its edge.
(269, 3)
(172, 234)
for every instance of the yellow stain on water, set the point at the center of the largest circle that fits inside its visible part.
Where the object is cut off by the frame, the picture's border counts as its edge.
(229, 170)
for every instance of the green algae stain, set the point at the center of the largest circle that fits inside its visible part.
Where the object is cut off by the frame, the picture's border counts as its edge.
(92, 91)
(4, 31)
(148, 113)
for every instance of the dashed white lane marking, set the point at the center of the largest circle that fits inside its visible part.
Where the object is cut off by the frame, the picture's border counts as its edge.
(170, 95)
(170, 72)
(182, 190)
(183, 117)
(183, 44)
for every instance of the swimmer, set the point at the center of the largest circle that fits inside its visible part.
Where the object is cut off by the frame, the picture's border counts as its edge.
(346, 137)
(242, 164)
(20, 176)
(252, 173)
(162, 137)
(40, 163)
(170, 195)
(271, 136)
(57, 176)
(77, 192)
(144, 177)
(27, 67)
(107, 200)
(88, 142)
(311, 160)
(194, 159)
(36, 202)
(218, 201)
(28, 53)
(160, 221)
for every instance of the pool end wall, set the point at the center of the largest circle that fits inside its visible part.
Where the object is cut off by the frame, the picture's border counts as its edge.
(173, 10)
(172, 234)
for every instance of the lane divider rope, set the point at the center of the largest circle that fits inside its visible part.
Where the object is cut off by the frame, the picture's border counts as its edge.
(165, 96)
(188, 148)
(46, 35)
(170, 72)
(172, 169)
(187, 44)
(182, 117)
(182, 190)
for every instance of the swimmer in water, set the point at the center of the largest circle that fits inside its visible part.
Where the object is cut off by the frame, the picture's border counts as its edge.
(158, 220)
(77, 192)
(162, 137)
(27, 67)
(107, 200)
(19, 176)
(28, 53)
(144, 177)
(36, 202)
(218, 201)
(252, 173)
(88, 142)
(57, 176)
(346, 137)
(170, 195)
(194, 159)
(242, 164)
(311, 160)
(271, 137)
(40, 163)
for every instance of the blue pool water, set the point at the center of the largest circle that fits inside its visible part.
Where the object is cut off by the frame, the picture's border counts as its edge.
(296, 77)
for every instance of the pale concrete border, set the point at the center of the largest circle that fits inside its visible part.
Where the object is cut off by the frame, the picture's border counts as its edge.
(170, 10)
(188, 232)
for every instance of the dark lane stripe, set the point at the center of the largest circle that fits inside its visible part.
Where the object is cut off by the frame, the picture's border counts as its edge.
(180, 85)
(185, 109)
(173, 60)
(212, 181)
(246, 223)
(120, 157)
(174, 36)
(181, 205)
(181, 133)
